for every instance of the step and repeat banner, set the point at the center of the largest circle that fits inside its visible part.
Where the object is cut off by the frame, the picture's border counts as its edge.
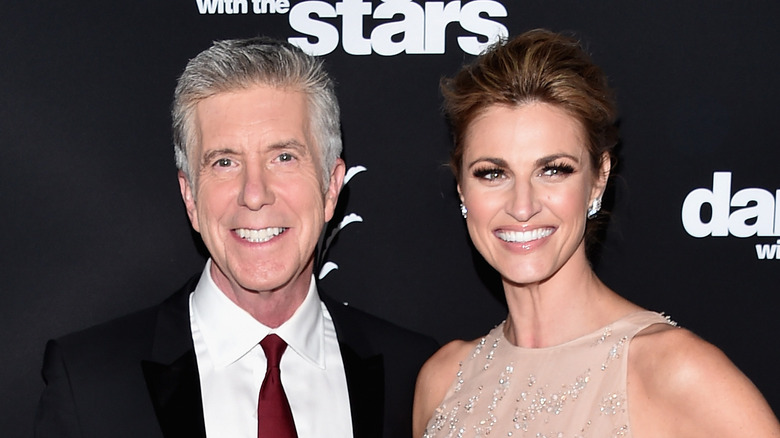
(93, 226)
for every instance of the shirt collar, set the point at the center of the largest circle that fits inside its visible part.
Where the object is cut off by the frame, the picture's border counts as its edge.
(230, 332)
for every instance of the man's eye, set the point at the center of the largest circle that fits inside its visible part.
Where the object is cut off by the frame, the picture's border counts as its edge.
(223, 162)
(285, 157)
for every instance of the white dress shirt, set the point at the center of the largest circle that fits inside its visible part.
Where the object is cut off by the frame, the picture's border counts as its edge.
(232, 365)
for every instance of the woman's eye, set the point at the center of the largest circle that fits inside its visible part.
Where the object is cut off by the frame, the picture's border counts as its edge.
(489, 174)
(557, 170)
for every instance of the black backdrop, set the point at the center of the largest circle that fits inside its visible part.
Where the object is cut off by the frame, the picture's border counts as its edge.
(93, 226)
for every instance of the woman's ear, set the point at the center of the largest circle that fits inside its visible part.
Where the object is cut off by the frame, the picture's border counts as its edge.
(602, 175)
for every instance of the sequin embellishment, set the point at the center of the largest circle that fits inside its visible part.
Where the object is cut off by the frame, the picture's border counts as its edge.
(575, 390)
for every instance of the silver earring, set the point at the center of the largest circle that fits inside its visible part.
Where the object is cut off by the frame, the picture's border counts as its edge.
(464, 211)
(594, 208)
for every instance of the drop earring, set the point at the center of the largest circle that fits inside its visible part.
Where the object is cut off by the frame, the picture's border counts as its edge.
(464, 211)
(594, 208)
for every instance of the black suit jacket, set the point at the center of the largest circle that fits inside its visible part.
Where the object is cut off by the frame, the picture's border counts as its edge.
(137, 376)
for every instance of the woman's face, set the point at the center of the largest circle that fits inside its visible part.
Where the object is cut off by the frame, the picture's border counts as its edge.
(527, 181)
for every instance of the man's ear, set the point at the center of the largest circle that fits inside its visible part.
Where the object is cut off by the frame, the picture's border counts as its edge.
(335, 183)
(189, 200)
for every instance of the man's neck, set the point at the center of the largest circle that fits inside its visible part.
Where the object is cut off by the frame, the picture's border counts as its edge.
(272, 307)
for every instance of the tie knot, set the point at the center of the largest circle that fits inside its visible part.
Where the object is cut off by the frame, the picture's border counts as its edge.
(273, 346)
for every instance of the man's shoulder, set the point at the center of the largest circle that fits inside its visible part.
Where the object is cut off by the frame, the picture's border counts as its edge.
(356, 326)
(344, 313)
(129, 331)
(124, 328)
(381, 360)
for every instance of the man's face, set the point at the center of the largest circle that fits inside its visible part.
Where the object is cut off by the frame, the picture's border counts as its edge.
(258, 204)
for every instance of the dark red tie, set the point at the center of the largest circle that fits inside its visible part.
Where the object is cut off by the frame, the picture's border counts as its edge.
(274, 418)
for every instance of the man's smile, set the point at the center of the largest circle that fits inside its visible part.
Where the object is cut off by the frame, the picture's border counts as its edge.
(261, 235)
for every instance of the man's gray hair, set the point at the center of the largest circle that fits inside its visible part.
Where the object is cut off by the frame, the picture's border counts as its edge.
(232, 65)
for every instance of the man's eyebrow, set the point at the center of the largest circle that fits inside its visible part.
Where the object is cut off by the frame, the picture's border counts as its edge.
(209, 156)
(289, 144)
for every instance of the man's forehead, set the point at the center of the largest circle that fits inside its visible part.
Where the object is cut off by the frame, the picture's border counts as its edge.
(261, 92)
(278, 114)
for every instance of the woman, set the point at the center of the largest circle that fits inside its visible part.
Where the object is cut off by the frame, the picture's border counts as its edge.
(533, 123)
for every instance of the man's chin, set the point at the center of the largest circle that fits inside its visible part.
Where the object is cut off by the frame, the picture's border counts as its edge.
(244, 275)
(263, 283)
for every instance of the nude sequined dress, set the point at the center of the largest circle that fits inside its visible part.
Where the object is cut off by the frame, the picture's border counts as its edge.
(576, 389)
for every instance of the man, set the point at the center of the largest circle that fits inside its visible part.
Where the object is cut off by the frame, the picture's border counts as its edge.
(257, 142)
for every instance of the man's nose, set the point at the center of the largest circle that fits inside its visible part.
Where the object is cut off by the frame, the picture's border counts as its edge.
(255, 189)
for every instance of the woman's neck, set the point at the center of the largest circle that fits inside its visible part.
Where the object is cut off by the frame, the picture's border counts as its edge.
(568, 305)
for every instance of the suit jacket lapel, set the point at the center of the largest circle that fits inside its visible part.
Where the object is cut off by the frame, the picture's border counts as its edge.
(364, 371)
(174, 384)
(171, 373)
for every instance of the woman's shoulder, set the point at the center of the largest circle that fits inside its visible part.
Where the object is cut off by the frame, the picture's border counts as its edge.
(440, 370)
(452, 353)
(672, 356)
(436, 377)
(673, 373)
(675, 361)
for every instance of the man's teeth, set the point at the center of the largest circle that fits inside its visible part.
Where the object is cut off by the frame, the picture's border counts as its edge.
(524, 236)
(259, 236)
